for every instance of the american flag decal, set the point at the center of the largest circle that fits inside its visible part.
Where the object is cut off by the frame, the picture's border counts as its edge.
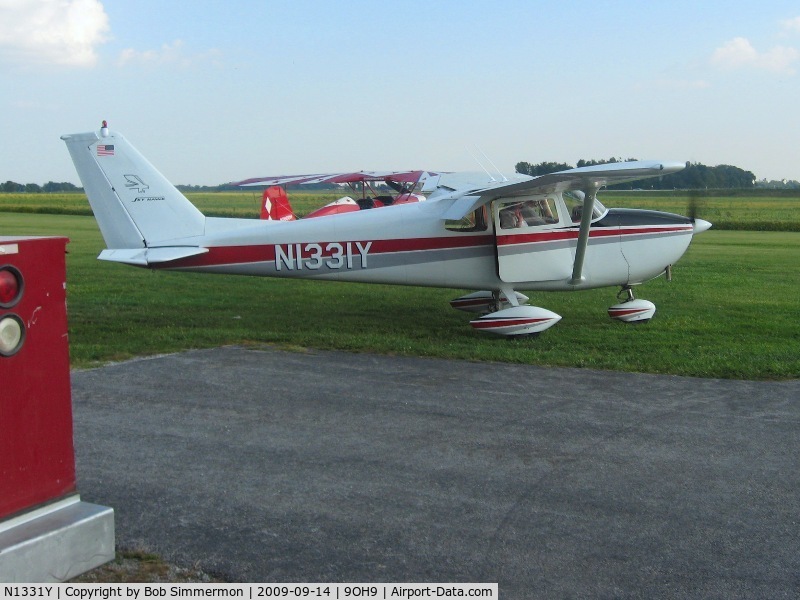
(105, 149)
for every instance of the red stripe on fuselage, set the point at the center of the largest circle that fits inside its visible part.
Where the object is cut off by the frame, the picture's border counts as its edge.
(228, 255)
(572, 234)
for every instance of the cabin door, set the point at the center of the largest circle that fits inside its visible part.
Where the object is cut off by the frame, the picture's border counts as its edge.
(530, 244)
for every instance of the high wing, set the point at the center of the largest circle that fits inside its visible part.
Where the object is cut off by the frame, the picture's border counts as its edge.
(586, 179)
(353, 177)
(591, 177)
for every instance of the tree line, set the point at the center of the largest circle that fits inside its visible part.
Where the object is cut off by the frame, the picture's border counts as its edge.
(35, 188)
(694, 176)
(50, 187)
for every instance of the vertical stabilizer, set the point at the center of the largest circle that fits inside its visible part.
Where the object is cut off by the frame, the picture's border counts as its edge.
(275, 205)
(135, 206)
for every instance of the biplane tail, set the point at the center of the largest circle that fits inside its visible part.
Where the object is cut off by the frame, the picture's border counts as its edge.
(275, 205)
(135, 206)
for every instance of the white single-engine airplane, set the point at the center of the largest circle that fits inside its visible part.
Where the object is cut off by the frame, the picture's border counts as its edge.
(473, 232)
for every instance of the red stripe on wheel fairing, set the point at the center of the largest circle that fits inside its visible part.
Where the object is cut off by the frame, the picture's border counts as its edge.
(508, 322)
(624, 312)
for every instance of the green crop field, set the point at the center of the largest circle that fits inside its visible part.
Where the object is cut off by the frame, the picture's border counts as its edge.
(746, 211)
(753, 212)
(214, 204)
(732, 311)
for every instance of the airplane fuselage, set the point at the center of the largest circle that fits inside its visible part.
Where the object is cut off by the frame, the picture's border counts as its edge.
(411, 245)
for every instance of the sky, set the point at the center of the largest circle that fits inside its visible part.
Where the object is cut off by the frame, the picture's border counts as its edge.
(212, 92)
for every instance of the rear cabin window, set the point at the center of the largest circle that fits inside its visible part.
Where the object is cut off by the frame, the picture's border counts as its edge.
(474, 221)
(528, 213)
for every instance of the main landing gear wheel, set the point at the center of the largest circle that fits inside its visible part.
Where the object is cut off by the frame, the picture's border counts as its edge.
(504, 312)
(631, 310)
(517, 321)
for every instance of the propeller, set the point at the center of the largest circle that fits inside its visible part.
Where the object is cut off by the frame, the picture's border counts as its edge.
(699, 225)
(694, 205)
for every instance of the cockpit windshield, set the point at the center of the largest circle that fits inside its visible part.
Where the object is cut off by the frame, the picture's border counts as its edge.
(574, 201)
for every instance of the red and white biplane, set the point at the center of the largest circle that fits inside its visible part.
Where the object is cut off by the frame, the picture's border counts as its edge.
(471, 231)
(275, 203)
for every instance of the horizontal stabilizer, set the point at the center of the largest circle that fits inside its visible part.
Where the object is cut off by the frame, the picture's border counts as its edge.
(148, 256)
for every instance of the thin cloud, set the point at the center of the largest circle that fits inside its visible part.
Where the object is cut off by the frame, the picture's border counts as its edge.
(665, 84)
(681, 84)
(52, 32)
(791, 25)
(739, 53)
(169, 54)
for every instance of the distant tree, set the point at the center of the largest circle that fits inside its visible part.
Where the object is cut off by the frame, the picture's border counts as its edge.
(12, 187)
(694, 176)
(699, 176)
(594, 163)
(774, 184)
(64, 186)
(542, 168)
(33, 188)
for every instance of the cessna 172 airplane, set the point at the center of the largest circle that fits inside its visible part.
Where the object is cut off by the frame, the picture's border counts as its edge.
(473, 232)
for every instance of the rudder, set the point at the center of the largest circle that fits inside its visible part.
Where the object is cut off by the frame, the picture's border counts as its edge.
(275, 205)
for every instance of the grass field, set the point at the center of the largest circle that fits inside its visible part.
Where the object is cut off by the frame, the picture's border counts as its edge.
(732, 311)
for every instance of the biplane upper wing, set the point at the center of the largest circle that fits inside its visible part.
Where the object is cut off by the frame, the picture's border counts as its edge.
(352, 177)
(583, 178)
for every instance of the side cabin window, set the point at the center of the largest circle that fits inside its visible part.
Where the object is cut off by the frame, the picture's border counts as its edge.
(527, 212)
(474, 221)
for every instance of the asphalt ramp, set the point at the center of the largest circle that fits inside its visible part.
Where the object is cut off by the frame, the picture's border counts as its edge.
(271, 466)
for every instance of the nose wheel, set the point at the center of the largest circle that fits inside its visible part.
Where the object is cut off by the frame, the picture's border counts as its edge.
(631, 310)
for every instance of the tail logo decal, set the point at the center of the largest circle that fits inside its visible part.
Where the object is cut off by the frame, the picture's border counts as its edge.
(134, 182)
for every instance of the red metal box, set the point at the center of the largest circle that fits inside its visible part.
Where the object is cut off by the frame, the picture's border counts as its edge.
(37, 460)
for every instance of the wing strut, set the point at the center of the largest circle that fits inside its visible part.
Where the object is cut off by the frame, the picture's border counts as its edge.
(583, 235)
